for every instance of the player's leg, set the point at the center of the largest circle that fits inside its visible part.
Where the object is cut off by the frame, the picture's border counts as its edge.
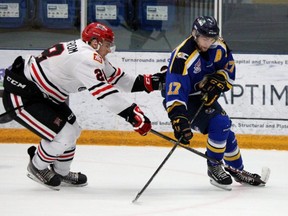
(214, 122)
(69, 134)
(57, 125)
(233, 158)
(218, 132)
(232, 154)
(58, 154)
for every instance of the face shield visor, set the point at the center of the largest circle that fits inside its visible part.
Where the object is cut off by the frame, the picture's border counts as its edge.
(109, 45)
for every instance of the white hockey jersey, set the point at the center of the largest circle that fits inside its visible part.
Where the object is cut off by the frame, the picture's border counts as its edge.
(74, 66)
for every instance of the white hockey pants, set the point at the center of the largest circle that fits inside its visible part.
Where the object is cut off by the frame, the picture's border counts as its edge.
(59, 152)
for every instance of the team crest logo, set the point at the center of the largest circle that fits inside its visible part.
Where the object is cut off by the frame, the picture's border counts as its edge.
(201, 21)
(97, 57)
(197, 67)
(57, 121)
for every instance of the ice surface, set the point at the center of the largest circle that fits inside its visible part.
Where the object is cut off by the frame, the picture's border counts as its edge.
(117, 173)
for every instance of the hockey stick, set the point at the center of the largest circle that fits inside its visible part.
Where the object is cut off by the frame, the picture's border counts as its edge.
(157, 170)
(176, 143)
(4, 117)
(11, 110)
(243, 172)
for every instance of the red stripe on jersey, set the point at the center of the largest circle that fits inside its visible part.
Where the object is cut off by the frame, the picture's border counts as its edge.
(30, 120)
(102, 90)
(16, 101)
(44, 86)
(118, 73)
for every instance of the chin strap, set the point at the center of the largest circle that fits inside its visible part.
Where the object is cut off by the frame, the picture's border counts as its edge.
(99, 44)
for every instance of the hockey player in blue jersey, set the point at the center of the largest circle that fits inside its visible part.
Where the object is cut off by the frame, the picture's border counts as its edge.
(203, 65)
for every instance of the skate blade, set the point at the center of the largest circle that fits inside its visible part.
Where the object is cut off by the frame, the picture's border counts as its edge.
(221, 186)
(265, 175)
(64, 184)
(31, 176)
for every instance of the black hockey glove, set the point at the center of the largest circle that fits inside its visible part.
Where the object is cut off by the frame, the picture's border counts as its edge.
(150, 82)
(136, 117)
(159, 79)
(212, 86)
(182, 128)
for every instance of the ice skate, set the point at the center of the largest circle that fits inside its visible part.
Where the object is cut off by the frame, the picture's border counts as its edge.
(218, 177)
(75, 179)
(45, 177)
(245, 177)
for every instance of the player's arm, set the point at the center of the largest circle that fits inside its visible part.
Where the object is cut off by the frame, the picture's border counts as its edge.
(135, 116)
(177, 91)
(222, 80)
(117, 103)
(96, 83)
(150, 82)
(226, 66)
(128, 83)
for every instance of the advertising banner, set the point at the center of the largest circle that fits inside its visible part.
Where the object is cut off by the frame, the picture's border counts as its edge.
(257, 104)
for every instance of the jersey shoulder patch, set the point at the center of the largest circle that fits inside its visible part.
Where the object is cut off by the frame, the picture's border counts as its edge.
(220, 48)
(97, 57)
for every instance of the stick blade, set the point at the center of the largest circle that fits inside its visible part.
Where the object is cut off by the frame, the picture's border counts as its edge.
(265, 174)
(136, 198)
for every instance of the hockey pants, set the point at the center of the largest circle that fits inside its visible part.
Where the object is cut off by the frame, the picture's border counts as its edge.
(54, 123)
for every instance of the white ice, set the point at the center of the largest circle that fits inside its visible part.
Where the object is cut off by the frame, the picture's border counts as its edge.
(117, 173)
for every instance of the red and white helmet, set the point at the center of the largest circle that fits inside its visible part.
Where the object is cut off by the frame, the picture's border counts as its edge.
(99, 32)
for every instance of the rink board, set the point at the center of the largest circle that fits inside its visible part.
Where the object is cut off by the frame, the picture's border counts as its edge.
(257, 103)
(130, 138)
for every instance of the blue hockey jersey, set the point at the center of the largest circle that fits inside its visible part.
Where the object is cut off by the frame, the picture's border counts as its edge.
(188, 66)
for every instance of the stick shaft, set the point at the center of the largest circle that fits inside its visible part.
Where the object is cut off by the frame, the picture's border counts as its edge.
(155, 173)
(176, 143)
(204, 155)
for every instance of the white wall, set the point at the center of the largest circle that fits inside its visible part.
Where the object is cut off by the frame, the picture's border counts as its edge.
(260, 94)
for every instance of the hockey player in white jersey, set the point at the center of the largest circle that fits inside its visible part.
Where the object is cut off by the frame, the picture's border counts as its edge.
(36, 88)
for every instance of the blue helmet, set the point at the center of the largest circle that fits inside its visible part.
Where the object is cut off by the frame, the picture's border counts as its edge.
(206, 26)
